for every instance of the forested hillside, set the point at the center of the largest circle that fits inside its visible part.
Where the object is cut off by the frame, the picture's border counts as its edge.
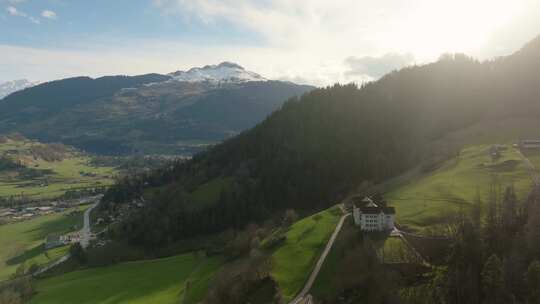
(317, 148)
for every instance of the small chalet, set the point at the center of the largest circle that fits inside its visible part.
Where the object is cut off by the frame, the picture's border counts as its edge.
(53, 241)
(372, 217)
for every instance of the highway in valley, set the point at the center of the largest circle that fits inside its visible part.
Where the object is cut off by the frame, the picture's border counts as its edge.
(85, 232)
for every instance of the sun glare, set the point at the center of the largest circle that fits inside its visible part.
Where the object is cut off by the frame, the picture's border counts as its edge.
(459, 26)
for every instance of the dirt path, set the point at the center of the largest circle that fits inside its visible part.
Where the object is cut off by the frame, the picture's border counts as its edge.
(303, 296)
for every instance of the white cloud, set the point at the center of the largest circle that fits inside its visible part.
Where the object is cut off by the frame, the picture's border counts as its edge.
(312, 39)
(425, 28)
(13, 11)
(48, 14)
(317, 42)
(375, 67)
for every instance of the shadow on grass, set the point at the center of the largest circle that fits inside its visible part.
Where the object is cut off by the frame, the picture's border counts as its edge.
(62, 224)
(27, 255)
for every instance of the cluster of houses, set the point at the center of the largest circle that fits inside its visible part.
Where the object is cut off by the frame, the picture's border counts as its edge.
(24, 213)
(21, 213)
(56, 240)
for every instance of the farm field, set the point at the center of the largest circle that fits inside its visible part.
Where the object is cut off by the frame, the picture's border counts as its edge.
(21, 242)
(431, 198)
(293, 261)
(160, 281)
(31, 169)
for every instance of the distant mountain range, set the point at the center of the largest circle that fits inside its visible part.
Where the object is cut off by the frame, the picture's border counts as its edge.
(178, 113)
(9, 87)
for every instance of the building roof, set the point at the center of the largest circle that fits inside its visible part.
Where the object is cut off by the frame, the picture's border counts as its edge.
(377, 210)
(53, 238)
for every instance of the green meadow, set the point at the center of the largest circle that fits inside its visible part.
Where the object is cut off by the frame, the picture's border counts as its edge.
(179, 279)
(534, 157)
(22, 242)
(72, 171)
(429, 199)
(395, 250)
(293, 262)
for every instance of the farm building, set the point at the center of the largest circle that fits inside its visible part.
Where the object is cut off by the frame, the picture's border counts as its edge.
(372, 217)
(529, 144)
(52, 241)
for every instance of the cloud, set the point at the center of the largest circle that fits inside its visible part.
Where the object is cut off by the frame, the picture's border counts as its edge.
(375, 67)
(48, 14)
(318, 42)
(13, 11)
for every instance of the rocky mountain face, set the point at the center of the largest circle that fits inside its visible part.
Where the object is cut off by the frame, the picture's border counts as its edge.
(225, 72)
(179, 113)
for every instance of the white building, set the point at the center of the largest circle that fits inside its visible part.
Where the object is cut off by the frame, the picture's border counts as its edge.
(371, 217)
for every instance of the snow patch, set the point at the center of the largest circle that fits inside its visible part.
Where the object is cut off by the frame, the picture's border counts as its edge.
(9, 87)
(227, 72)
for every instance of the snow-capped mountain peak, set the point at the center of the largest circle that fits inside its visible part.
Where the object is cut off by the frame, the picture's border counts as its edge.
(224, 72)
(9, 87)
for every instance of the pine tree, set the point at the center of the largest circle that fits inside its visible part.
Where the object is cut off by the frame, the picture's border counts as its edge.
(492, 281)
(491, 229)
(532, 230)
(533, 282)
(509, 211)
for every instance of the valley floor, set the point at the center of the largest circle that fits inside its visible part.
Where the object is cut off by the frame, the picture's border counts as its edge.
(22, 242)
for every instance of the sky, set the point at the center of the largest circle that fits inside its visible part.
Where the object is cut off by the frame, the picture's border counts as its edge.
(316, 42)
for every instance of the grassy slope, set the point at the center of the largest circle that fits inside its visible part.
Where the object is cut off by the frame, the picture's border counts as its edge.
(204, 195)
(426, 200)
(208, 193)
(394, 250)
(293, 261)
(505, 130)
(22, 241)
(67, 173)
(534, 156)
(159, 281)
(324, 286)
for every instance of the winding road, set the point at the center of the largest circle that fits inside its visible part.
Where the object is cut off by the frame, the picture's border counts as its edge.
(85, 236)
(303, 296)
(531, 168)
(85, 232)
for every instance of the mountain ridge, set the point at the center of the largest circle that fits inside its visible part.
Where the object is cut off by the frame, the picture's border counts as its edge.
(227, 72)
(9, 87)
(149, 113)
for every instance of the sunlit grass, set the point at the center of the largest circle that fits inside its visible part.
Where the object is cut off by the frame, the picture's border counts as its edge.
(431, 198)
(160, 281)
(293, 262)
